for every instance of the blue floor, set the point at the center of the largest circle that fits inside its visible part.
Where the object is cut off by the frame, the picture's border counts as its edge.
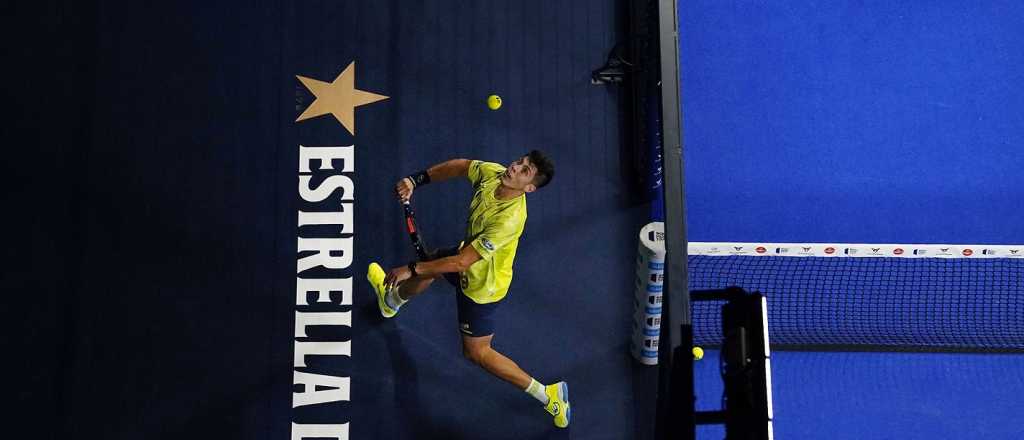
(860, 395)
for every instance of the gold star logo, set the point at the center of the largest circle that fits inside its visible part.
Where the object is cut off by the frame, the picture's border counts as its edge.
(339, 98)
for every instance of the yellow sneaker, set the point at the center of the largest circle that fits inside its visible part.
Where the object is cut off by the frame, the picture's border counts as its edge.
(558, 403)
(375, 275)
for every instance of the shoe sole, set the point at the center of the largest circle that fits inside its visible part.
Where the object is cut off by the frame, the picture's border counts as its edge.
(381, 306)
(568, 406)
(563, 395)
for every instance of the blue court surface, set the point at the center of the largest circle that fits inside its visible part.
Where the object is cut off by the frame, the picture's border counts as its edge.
(161, 251)
(857, 395)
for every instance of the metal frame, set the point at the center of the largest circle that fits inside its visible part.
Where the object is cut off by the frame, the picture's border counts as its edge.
(676, 417)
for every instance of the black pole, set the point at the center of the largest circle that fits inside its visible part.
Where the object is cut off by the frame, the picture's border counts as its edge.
(675, 419)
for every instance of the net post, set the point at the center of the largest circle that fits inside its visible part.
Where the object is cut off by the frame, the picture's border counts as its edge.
(676, 417)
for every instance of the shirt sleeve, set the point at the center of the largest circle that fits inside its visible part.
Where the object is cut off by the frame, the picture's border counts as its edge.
(495, 236)
(480, 171)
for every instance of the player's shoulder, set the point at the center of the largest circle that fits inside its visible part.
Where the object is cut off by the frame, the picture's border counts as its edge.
(482, 171)
(487, 167)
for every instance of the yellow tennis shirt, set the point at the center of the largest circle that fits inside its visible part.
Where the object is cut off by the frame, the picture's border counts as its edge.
(493, 229)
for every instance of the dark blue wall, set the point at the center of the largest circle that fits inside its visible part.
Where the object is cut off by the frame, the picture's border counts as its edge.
(854, 121)
(155, 162)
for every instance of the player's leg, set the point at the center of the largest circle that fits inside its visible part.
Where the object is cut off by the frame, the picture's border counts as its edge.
(479, 350)
(389, 301)
(477, 326)
(414, 286)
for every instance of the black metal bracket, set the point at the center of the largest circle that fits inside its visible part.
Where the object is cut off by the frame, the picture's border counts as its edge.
(615, 69)
(717, 295)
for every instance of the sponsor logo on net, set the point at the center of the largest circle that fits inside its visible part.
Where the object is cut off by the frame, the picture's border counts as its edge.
(857, 250)
(739, 250)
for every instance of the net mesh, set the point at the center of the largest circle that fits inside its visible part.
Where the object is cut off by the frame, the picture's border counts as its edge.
(920, 303)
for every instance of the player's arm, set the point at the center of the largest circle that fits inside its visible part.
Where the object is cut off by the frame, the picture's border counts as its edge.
(437, 173)
(449, 169)
(455, 263)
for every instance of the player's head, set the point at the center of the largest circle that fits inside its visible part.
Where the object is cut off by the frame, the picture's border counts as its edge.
(529, 172)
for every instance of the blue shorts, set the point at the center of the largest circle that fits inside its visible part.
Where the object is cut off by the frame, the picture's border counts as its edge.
(475, 320)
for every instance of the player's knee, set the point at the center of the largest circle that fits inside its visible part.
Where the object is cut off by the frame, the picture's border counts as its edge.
(470, 354)
(475, 353)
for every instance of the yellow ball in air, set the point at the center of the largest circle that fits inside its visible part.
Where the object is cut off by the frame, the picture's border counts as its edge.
(698, 353)
(494, 102)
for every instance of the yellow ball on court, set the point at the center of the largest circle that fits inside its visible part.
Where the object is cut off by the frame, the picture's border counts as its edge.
(494, 102)
(698, 353)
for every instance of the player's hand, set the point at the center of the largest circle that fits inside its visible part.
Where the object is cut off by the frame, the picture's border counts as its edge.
(404, 189)
(396, 276)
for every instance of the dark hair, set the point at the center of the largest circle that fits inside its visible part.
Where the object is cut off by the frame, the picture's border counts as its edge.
(545, 168)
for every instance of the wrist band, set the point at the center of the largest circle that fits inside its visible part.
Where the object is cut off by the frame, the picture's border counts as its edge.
(419, 178)
(412, 268)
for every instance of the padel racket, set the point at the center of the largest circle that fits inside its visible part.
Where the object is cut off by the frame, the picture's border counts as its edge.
(414, 232)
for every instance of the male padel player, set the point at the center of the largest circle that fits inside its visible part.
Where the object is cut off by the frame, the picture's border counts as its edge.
(481, 268)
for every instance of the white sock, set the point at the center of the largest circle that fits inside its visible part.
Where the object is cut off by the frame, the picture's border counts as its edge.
(536, 389)
(393, 300)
